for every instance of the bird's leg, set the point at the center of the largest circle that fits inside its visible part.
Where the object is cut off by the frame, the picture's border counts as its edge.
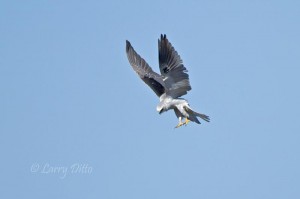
(180, 123)
(186, 121)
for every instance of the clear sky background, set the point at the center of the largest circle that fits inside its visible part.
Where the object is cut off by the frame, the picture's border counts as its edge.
(68, 97)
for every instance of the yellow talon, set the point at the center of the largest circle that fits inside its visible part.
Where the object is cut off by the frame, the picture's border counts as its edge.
(186, 121)
(179, 125)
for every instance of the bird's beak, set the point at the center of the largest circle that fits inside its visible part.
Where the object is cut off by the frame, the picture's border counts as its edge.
(161, 110)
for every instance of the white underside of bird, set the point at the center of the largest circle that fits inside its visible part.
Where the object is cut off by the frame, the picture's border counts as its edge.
(182, 110)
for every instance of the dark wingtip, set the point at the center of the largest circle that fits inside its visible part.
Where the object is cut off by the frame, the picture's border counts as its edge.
(163, 36)
(163, 39)
(128, 45)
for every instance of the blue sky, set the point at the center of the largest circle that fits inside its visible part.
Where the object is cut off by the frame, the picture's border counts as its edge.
(69, 99)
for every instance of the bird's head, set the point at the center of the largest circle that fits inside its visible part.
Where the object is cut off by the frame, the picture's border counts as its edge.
(160, 109)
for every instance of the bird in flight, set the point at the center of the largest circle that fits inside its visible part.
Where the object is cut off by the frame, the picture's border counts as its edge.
(170, 85)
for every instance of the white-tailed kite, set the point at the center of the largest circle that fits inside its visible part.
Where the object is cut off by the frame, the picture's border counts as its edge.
(170, 85)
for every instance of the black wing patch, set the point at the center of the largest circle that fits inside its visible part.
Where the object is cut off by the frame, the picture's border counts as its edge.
(154, 85)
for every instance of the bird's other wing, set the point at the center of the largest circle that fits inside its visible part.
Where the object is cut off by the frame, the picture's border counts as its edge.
(140, 66)
(172, 69)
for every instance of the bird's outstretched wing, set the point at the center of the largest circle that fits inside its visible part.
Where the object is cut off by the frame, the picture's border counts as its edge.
(173, 72)
(144, 71)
